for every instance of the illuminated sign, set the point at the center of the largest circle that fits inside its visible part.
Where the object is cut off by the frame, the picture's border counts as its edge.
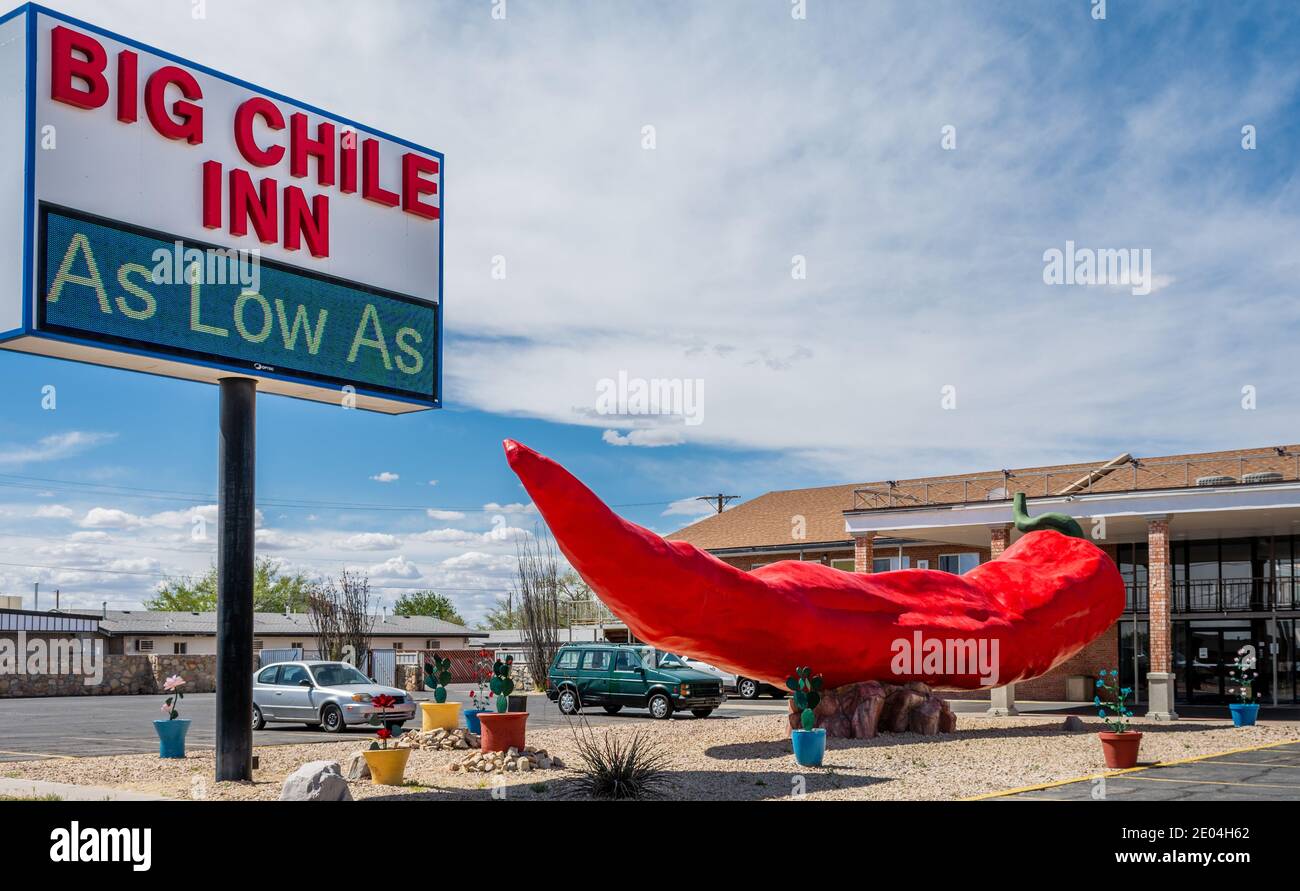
(167, 218)
(116, 284)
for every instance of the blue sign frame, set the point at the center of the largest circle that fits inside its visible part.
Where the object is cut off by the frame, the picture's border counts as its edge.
(31, 296)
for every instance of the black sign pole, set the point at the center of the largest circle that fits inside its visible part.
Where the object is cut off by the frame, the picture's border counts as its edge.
(236, 507)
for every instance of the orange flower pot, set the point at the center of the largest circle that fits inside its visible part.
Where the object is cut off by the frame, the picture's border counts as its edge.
(1120, 749)
(501, 730)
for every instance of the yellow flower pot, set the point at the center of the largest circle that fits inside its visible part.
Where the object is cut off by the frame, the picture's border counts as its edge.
(387, 766)
(440, 715)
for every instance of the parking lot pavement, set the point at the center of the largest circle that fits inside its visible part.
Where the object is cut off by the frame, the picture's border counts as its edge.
(1269, 772)
(73, 726)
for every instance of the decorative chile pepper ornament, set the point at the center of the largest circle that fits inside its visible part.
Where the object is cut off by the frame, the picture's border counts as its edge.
(1012, 618)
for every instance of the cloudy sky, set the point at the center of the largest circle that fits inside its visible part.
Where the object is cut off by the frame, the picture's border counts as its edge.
(830, 230)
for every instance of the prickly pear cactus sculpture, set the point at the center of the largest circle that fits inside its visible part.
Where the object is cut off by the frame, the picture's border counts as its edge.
(807, 693)
(502, 686)
(437, 675)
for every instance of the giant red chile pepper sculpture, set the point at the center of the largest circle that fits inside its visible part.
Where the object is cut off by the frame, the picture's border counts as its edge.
(1012, 618)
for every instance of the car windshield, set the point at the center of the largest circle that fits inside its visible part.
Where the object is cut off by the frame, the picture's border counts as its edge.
(338, 674)
(671, 660)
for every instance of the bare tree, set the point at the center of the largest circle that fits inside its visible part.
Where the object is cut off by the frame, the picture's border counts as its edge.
(536, 596)
(341, 618)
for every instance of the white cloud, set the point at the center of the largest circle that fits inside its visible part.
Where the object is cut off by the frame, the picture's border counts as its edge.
(393, 568)
(513, 508)
(386, 477)
(689, 507)
(435, 514)
(54, 512)
(648, 437)
(446, 536)
(110, 518)
(368, 541)
(54, 447)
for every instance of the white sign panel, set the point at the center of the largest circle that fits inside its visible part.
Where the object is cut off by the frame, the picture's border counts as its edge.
(167, 218)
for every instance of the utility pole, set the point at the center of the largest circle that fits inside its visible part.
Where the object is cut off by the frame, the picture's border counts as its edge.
(720, 500)
(36, 604)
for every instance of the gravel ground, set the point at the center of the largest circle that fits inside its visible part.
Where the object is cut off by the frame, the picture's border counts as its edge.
(741, 759)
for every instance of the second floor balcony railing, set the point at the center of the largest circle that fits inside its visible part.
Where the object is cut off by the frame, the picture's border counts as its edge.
(1277, 466)
(1221, 595)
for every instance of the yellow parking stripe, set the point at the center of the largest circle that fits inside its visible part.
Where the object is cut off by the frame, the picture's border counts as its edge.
(37, 754)
(1129, 770)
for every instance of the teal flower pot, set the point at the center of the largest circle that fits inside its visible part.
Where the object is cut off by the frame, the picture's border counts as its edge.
(471, 719)
(171, 737)
(1244, 713)
(809, 746)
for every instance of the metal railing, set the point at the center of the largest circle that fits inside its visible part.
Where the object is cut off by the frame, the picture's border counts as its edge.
(1221, 595)
(1278, 466)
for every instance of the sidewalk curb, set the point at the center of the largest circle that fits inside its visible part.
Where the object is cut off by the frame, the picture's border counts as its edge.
(70, 791)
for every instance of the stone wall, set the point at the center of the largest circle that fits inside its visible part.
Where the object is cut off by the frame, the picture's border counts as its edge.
(122, 675)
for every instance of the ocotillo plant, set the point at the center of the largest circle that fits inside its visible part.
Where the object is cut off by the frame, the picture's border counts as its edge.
(807, 693)
(438, 675)
(501, 685)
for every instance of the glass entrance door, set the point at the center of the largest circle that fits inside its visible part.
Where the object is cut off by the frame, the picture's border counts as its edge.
(1212, 649)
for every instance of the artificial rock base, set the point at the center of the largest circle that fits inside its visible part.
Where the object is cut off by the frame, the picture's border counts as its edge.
(860, 711)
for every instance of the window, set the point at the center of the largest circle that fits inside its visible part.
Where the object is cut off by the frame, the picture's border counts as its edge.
(143, 646)
(397, 645)
(595, 660)
(626, 661)
(846, 565)
(178, 649)
(267, 675)
(958, 563)
(296, 645)
(889, 564)
(291, 675)
(432, 644)
(568, 659)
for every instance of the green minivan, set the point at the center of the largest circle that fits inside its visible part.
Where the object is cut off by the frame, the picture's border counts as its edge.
(614, 676)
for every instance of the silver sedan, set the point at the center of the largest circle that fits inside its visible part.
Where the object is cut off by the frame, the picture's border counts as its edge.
(331, 695)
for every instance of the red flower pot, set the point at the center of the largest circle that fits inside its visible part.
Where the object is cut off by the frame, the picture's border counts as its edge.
(501, 730)
(1120, 749)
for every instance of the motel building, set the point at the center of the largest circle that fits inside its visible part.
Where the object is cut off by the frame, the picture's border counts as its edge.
(1208, 545)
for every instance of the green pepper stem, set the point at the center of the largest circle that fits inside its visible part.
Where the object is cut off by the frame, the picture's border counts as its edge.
(1062, 523)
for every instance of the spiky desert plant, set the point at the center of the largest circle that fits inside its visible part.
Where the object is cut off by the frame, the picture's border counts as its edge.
(501, 684)
(437, 674)
(807, 689)
(614, 767)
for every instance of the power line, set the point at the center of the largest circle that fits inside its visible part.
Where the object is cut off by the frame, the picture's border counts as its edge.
(18, 481)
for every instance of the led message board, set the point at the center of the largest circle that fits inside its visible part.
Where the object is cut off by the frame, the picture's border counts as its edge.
(159, 216)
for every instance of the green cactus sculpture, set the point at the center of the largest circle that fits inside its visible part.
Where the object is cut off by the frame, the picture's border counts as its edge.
(501, 684)
(438, 675)
(807, 693)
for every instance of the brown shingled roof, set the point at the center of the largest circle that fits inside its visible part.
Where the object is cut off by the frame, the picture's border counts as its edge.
(768, 520)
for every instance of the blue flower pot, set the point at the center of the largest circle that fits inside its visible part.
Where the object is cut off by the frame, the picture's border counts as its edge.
(1244, 713)
(171, 737)
(809, 746)
(471, 719)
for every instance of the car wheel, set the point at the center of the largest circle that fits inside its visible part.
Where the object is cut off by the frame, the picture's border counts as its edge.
(568, 702)
(331, 719)
(701, 712)
(258, 721)
(747, 689)
(660, 707)
(613, 709)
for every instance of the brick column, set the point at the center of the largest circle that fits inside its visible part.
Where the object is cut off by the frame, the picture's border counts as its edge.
(999, 539)
(1002, 700)
(1160, 678)
(864, 551)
